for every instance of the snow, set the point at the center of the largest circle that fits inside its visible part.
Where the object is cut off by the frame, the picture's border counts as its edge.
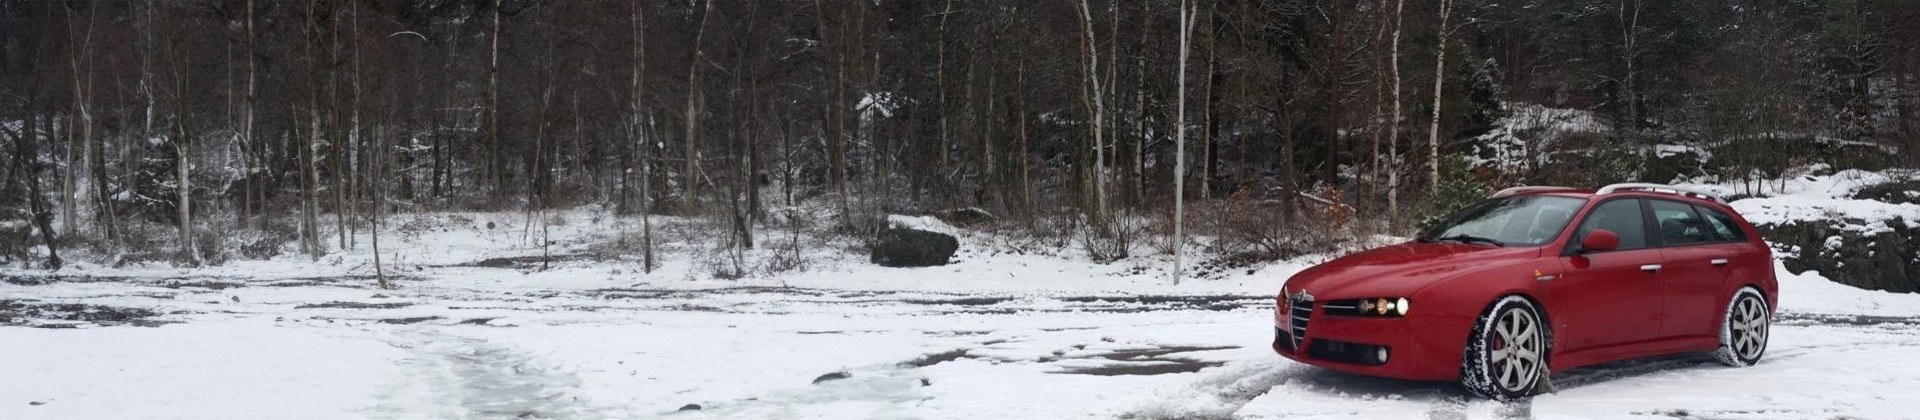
(1820, 198)
(1808, 292)
(1527, 129)
(926, 223)
(229, 369)
(998, 334)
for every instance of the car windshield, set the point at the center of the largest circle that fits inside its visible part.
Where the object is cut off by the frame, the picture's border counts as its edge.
(1527, 220)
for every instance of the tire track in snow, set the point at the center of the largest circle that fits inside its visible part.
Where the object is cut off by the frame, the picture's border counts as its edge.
(1217, 395)
(468, 378)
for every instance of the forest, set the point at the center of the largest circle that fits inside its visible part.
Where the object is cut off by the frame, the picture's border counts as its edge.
(197, 131)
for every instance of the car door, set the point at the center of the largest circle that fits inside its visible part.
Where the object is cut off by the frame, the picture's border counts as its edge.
(1692, 268)
(1609, 297)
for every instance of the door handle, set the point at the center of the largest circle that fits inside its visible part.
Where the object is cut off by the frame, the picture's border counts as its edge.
(1718, 262)
(1651, 268)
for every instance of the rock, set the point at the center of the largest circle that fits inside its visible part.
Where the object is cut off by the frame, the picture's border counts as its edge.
(965, 216)
(1888, 260)
(906, 247)
(1897, 192)
(690, 407)
(832, 377)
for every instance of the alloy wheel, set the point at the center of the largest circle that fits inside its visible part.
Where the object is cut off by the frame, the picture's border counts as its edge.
(1515, 350)
(1748, 327)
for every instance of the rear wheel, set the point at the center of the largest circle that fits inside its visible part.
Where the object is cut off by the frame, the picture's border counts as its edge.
(1506, 355)
(1743, 333)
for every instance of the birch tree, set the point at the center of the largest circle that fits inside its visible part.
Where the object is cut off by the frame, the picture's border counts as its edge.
(1180, 139)
(1393, 127)
(183, 147)
(1093, 97)
(1439, 85)
(690, 142)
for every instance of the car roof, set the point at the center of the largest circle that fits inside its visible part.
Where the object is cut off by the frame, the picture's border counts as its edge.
(1625, 189)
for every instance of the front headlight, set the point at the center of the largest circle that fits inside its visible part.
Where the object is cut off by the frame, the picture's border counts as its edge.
(1386, 307)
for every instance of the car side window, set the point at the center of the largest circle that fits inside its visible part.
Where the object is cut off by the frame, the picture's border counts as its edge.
(1621, 216)
(1678, 224)
(1723, 225)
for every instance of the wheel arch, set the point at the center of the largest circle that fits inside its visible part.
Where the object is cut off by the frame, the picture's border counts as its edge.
(1771, 297)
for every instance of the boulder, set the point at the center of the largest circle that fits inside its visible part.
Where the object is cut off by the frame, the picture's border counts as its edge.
(1887, 259)
(907, 247)
(965, 216)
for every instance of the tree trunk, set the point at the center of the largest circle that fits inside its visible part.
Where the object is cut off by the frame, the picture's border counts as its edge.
(336, 141)
(691, 140)
(496, 166)
(1206, 112)
(28, 158)
(1026, 166)
(249, 104)
(1378, 119)
(1629, 32)
(1093, 98)
(380, 169)
(1393, 132)
(69, 189)
(1439, 83)
(1180, 139)
(940, 87)
(182, 148)
(1138, 189)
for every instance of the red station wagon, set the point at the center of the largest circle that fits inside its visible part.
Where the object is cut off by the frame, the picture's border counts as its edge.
(1539, 279)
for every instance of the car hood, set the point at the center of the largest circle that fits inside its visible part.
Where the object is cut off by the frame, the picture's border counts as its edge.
(1399, 270)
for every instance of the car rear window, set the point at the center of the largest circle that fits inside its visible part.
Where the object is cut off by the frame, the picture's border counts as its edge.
(1678, 224)
(1724, 226)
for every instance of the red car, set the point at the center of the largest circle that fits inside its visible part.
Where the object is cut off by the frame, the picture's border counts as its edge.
(1535, 280)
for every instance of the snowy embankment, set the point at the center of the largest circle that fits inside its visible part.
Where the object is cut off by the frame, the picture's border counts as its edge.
(1821, 198)
(1860, 228)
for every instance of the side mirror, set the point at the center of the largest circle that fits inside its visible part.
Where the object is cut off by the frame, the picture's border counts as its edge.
(1600, 240)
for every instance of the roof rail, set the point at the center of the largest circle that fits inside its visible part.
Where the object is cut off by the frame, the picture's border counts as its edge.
(1529, 189)
(1660, 188)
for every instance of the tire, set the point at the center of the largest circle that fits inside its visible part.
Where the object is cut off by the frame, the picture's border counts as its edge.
(1506, 354)
(1744, 329)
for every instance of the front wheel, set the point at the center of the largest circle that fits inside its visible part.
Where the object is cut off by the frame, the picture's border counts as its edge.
(1743, 333)
(1506, 355)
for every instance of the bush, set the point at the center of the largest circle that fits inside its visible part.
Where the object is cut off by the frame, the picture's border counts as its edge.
(1458, 189)
(1664, 169)
(1268, 229)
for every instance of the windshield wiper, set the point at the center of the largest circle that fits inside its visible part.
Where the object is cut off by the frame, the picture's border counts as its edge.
(1471, 239)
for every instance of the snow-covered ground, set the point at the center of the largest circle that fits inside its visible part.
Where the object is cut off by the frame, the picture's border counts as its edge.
(473, 331)
(1824, 198)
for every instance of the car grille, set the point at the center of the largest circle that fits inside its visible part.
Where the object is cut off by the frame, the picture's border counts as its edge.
(1301, 310)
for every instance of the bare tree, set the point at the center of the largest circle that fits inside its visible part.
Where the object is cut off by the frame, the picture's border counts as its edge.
(1393, 129)
(1093, 97)
(1439, 85)
(496, 165)
(1187, 14)
(690, 142)
(183, 146)
(641, 148)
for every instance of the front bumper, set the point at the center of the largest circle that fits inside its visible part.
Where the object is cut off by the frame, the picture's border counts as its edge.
(1417, 347)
